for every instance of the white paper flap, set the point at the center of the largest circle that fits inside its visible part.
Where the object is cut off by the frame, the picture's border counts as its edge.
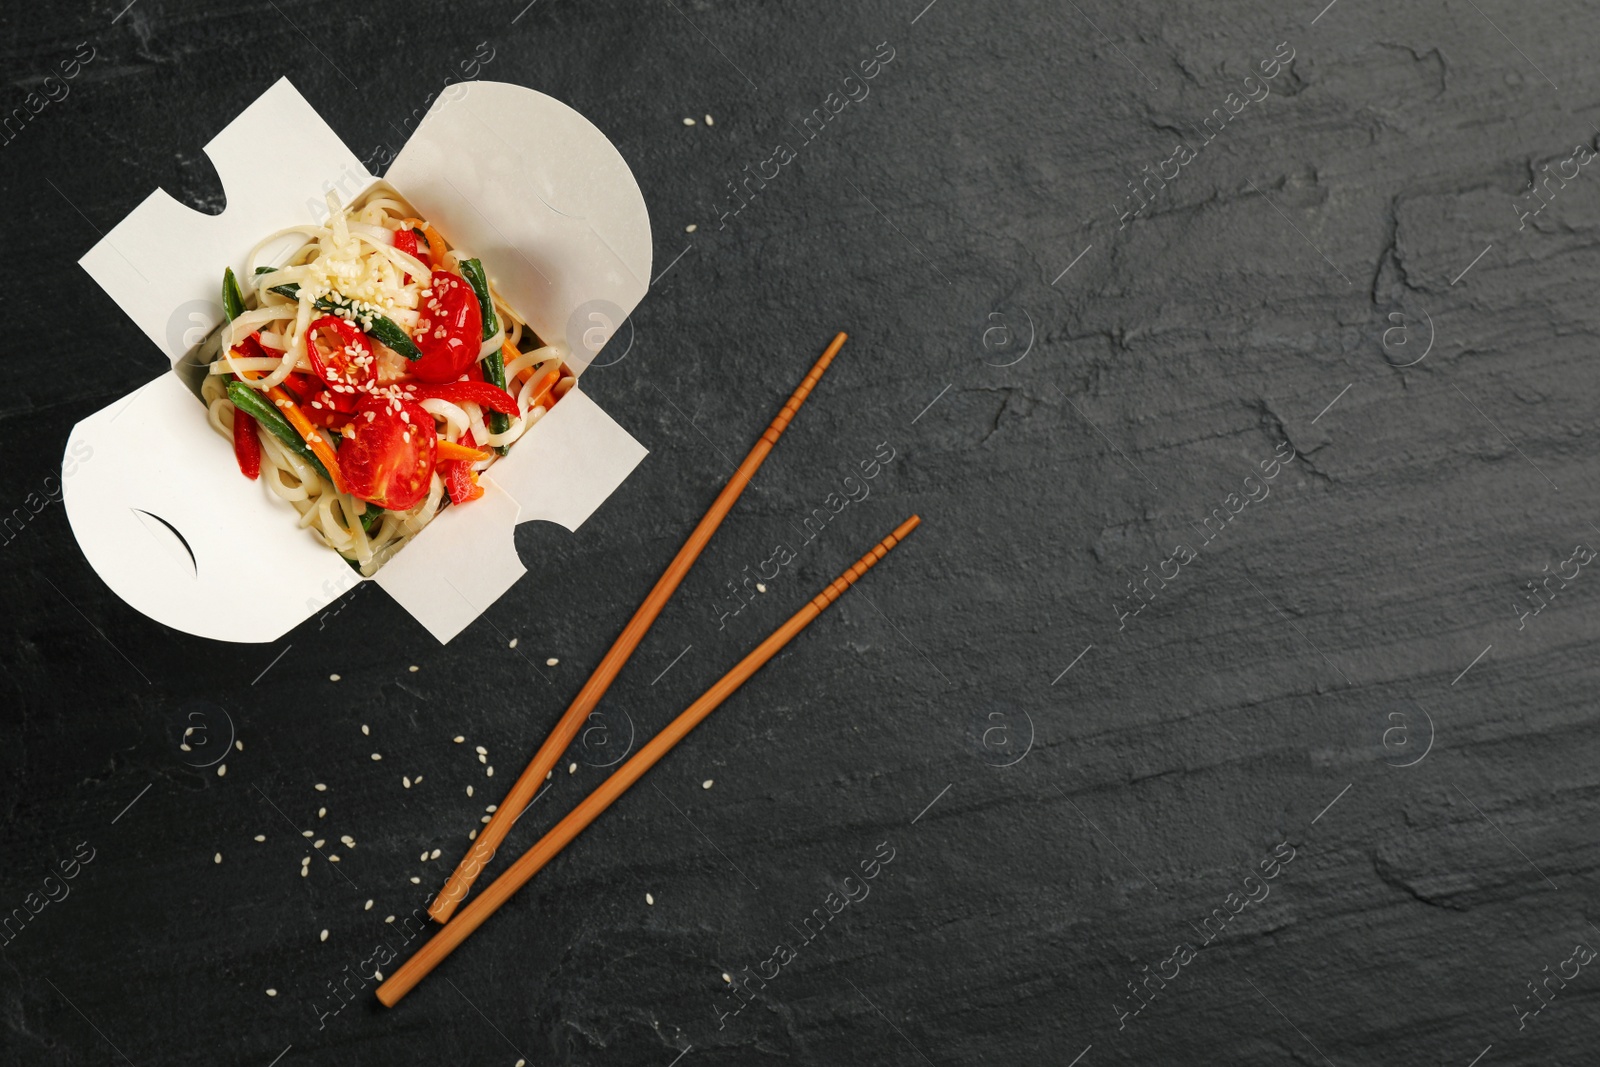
(163, 263)
(560, 471)
(532, 188)
(151, 470)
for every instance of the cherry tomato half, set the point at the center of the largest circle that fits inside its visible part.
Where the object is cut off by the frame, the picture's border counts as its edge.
(341, 355)
(449, 329)
(389, 461)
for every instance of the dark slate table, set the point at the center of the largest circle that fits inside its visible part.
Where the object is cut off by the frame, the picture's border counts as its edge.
(1247, 400)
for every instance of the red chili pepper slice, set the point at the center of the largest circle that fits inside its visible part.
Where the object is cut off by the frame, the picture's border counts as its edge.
(481, 393)
(246, 445)
(390, 459)
(405, 239)
(341, 355)
(449, 329)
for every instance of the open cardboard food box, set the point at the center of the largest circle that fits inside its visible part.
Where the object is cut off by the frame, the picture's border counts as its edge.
(155, 497)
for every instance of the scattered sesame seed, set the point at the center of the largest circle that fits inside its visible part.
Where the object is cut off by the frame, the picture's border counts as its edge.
(648, 899)
(549, 775)
(513, 643)
(760, 588)
(572, 768)
(319, 842)
(333, 858)
(377, 974)
(415, 880)
(217, 858)
(324, 936)
(482, 758)
(688, 122)
(472, 835)
(709, 122)
(690, 228)
(368, 907)
(413, 668)
(706, 784)
(305, 861)
(482, 751)
(349, 842)
(390, 919)
(405, 780)
(434, 854)
(458, 739)
(319, 787)
(725, 977)
(364, 731)
(522, 1063)
(419, 779)
(322, 813)
(239, 745)
(261, 837)
(222, 770)
(376, 756)
(305, 833)
(424, 855)
(469, 790)
(272, 992)
(491, 808)
(305, 871)
(551, 662)
(484, 818)
(333, 677)
(185, 748)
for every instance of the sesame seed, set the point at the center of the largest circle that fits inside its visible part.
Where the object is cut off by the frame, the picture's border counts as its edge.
(458, 739)
(390, 919)
(319, 842)
(322, 813)
(324, 936)
(364, 731)
(482, 751)
(551, 662)
(491, 808)
(272, 992)
(472, 835)
(690, 228)
(469, 790)
(405, 781)
(319, 787)
(572, 768)
(706, 784)
(413, 668)
(488, 772)
(709, 122)
(261, 837)
(688, 122)
(333, 677)
(349, 842)
(305, 833)
(415, 880)
(305, 861)
(376, 756)
(222, 770)
(483, 818)
(725, 977)
(434, 854)
(305, 871)
(648, 899)
(424, 855)
(760, 588)
(217, 858)
(482, 758)
(239, 745)
(333, 858)
(513, 643)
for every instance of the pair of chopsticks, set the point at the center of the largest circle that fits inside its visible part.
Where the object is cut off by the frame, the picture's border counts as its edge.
(457, 929)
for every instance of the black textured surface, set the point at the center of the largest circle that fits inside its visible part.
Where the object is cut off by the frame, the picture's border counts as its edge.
(1069, 787)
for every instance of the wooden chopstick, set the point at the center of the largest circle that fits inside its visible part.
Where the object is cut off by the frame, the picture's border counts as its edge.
(517, 875)
(522, 792)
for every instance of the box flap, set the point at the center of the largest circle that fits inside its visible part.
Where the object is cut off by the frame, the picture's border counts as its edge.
(163, 263)
(560, 471)
(531, 187)
(160, 487)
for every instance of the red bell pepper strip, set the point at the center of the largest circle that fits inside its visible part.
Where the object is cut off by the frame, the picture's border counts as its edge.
(246, 445)
(481, 393)
(405, 239)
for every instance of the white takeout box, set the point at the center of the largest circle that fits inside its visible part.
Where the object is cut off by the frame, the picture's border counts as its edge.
(156, 499)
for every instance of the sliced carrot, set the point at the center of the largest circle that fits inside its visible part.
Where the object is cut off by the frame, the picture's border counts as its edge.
(542, 390)
(449, 450)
